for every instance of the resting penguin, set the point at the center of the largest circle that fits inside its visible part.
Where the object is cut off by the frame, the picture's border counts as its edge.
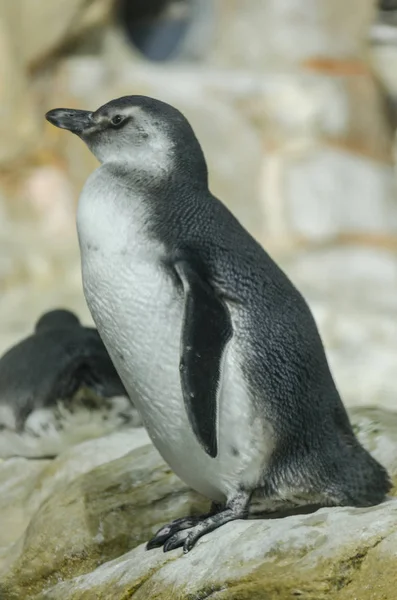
(217, 346)
(59, 387)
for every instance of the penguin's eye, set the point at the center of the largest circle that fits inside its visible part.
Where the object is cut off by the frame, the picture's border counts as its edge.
(117, 120)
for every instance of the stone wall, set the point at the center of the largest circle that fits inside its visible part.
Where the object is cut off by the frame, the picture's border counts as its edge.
(290, 108)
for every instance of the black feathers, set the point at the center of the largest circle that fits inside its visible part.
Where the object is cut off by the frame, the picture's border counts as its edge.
(206, 330)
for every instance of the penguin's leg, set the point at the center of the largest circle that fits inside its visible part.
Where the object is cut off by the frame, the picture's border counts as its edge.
(236, 508)
(163, 534)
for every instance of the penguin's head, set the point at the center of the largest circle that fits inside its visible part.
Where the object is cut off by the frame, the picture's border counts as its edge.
(145, 133)
(56, 319)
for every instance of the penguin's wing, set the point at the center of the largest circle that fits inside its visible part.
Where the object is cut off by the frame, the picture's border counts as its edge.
(206, 330)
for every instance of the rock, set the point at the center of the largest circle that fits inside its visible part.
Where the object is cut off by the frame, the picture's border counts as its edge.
(363, 355)
(328, 555)
(350, 273)
(50, 194)
(315, 193)
(377, 431)
(18, 478)
(78, 543)
(27, 483)
(19, 123)
(98, 517)
(81, 459)
(289, 32)
(47, 25)
(352, 292)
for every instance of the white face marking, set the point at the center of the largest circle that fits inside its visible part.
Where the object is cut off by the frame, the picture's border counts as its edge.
(141, 143)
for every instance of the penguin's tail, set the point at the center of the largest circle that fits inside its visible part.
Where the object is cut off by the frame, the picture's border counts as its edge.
(361, 480)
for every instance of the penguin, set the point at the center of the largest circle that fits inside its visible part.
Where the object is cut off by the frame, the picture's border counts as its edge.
(59, 387)
(208, 334)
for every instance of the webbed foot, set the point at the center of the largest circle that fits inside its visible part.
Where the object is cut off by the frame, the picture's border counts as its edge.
(186, 531)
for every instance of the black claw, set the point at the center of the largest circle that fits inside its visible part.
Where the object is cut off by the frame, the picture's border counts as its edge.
(158, 540)
(189, 544)
(169, 532)
(172, 543)
(166, 548)
(160, 537)
(154, 543)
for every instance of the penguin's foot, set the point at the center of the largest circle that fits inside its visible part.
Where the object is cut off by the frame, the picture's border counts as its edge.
(179, 525)
(186, 532)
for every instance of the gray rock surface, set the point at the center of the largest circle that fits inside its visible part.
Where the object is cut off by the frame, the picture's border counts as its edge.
(322, 556)
(75, 528)
(25, 483)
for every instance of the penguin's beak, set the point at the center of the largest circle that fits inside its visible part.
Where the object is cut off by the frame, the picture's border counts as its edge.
(75, 121)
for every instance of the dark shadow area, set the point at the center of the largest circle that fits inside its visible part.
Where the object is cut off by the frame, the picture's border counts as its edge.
(256, 513)
(155, 27)
(387, 4)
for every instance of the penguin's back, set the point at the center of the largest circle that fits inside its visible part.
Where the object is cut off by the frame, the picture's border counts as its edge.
(48, 365)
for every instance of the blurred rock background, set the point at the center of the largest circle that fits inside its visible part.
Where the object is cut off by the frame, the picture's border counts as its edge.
(296, 108)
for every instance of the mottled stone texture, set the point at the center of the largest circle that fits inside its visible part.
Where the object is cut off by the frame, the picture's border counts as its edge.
(287, 32)
(75, 528)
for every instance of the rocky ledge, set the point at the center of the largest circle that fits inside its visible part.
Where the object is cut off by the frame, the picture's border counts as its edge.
(75, 527)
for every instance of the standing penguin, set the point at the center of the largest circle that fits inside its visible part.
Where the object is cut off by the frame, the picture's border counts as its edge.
(59, 387)
(217, 346)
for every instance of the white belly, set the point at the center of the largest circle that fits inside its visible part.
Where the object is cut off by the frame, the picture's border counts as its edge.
(139, 317)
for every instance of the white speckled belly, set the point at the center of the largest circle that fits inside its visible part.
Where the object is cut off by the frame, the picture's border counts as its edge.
(138, 313)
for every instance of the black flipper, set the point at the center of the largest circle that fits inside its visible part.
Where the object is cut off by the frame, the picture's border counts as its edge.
(206, 330)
